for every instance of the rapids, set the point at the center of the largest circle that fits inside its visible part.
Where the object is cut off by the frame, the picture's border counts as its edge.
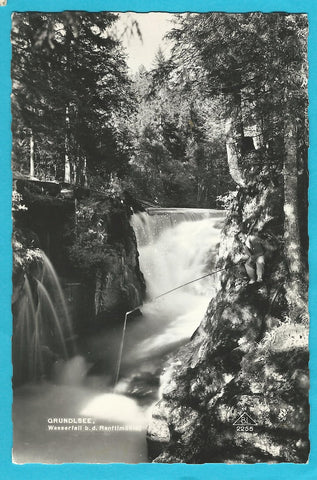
(175, 246)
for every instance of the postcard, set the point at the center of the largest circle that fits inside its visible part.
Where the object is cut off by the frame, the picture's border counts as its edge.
(160, 269)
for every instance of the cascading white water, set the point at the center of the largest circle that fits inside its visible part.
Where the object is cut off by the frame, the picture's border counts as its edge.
(42, 327)
(150, 224)
(176, 246)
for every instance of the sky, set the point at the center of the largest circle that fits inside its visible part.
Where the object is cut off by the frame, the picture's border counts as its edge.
(153, 27)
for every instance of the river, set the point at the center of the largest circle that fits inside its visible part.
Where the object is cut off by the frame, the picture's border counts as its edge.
(176, 246)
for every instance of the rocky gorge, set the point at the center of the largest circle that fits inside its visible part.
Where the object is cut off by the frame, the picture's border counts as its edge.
(237, 392)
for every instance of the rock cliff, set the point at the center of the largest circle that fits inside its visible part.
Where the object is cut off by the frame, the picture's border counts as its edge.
(119, 283)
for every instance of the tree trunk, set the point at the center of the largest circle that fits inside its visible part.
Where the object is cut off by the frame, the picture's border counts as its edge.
(31, 155)
(74, 173)
(257, 134)
(67, 160)
(85, 177)
(234, 136)
(294, 286)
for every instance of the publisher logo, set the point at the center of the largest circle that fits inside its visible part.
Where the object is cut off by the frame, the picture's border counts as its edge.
(244, 423)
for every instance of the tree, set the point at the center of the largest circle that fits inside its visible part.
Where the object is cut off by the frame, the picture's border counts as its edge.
(178, 151)
(256, 64)
(70, 92)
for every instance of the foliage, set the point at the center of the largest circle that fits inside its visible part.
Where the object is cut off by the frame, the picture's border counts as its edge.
(261, 57)
(179, 153)
(24, 246)
(70, 91)
(162, 134)
(17, 204)
(95, 242)
(25, 251)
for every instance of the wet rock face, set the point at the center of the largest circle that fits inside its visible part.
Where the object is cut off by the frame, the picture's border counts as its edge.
(238, 392)
(105, 252)
(119, 285)
(208, 386)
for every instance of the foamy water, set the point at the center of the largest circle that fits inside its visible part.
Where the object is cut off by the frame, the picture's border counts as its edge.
(176, 246)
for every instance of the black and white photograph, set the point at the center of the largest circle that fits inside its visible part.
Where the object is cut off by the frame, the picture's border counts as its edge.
(160, 237)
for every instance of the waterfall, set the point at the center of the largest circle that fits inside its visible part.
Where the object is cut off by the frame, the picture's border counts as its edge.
(175, 247)
(42, 330)
(150, 224)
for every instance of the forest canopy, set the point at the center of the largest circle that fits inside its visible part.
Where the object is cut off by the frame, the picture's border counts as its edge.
(79, 116)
